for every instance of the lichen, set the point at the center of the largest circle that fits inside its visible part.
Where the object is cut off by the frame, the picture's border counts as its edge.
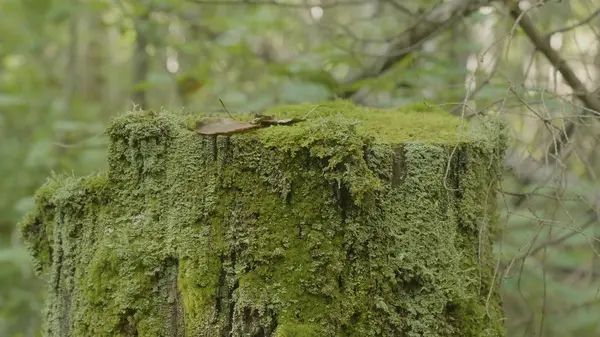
(355, 222)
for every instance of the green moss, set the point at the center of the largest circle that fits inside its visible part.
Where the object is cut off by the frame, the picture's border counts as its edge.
(356, 222)
(415, 122)
(294, 329)
(392, 126)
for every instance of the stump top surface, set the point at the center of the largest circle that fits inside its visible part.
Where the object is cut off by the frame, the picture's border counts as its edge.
(413, 123)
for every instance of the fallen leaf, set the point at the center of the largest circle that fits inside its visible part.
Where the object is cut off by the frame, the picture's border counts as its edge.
(222, 126)
(226, 126)
(272, 120)
(289, 121)
(263, 119)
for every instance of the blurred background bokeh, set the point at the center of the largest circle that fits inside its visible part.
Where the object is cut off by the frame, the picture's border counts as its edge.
(67, 67)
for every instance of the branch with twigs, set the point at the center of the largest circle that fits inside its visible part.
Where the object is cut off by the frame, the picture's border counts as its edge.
(544, 174)
(542, 44)
(431, 24)
(585, 21)
(592, 103)
(400, 7)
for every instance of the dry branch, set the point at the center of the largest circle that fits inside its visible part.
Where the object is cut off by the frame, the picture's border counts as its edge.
(585, 21)
(543, 45)
(543, 175)
(433, 23)
(591, 102)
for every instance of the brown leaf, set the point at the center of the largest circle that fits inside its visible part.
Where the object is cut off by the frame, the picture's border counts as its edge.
(222, 126)
(272, 120)
(289, 121)
(227, 126)
(263, 119)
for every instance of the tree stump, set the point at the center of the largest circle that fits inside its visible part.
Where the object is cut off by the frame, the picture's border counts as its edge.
(354, 222)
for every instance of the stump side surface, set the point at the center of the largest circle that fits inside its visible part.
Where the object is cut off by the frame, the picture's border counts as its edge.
(325, 228)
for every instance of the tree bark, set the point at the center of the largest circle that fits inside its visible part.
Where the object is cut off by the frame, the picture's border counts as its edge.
(329, 227)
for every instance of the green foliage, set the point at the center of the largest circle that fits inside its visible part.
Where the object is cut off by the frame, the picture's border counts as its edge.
(20, 305)
(66, 69)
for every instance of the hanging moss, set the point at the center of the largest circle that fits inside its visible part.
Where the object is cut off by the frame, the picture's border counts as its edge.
(355, 222)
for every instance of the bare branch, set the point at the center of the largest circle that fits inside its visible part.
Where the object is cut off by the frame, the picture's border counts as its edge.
(561, 239)
(400, 7)
(542, 174)
(578, 24)
(431, 24)
(543, 45)
(480, 85)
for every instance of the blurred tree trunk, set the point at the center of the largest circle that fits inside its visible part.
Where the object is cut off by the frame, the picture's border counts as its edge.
(141, 63)
(94, 62)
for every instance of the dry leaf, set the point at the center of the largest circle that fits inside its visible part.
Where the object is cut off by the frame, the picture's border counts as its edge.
(222, 126)
(263, 119)
(226, 126)
(289, 121)
(272, 120)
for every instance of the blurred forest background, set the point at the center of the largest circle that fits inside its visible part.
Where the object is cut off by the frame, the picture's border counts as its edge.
(67, 67)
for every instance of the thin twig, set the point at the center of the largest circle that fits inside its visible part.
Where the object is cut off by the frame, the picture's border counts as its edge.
(578, 24)
(224, 107)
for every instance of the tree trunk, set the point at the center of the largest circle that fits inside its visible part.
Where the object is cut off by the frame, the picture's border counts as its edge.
(355, 222)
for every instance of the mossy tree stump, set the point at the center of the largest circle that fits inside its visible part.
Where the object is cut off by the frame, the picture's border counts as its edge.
(355, 222)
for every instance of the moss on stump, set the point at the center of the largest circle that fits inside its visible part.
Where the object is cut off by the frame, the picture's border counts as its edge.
(355, 222)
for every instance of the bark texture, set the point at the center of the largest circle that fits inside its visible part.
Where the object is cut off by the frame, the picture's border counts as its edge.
(356, 222)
